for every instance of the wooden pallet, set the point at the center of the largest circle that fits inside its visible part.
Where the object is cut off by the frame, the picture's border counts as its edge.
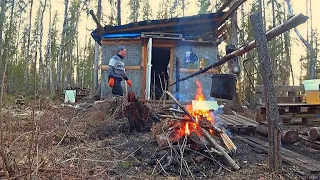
(161, 35)
(285, 94)
(309, 165)
(293, 114)
(236, 123)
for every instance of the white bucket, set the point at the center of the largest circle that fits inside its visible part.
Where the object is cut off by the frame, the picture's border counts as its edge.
(311, 85)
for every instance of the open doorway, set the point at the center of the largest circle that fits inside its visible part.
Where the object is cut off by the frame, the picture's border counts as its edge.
(159, 71)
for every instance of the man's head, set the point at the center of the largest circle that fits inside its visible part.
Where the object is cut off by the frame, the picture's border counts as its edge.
(122, 51)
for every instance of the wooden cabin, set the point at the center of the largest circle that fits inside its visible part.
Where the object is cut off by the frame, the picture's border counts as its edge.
(159, 46)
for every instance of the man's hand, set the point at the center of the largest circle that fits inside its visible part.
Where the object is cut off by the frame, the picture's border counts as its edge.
(129, 82)
(111, 82)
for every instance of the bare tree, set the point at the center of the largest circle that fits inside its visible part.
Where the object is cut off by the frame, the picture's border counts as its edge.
(2, 19)
(61, 49)
(41, 66)
(49, 76)
(28, 58)
(96, 53)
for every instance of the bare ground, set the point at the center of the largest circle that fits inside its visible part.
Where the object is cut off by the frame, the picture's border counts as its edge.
(94, 142)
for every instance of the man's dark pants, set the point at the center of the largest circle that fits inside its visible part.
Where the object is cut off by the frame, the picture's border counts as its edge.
(117, 88)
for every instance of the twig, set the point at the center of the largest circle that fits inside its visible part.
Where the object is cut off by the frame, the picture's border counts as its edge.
(101, 161)
(17, 139)
(176, 110)
(207, 135)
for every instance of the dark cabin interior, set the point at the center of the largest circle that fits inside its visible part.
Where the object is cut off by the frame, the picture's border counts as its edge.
(159, 71)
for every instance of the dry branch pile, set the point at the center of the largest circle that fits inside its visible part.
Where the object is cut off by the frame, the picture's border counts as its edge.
(98, 140)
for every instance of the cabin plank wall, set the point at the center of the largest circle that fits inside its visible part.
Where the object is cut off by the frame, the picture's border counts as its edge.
(136, 57)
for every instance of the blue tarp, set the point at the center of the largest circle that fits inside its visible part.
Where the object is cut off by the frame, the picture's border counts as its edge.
(120, 35)
(98, 38)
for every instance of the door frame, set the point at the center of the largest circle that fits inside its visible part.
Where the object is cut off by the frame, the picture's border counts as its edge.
(160, 43)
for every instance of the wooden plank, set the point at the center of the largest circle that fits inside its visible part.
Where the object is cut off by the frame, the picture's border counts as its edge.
(297, 104)
(227, 118)
(296, 156)
(259, 88)
(106, 67)
(231, 121)
(161, 35)
(247, 119)
(120, 41)
(155, 42)
(171, 69)
(144, 73)
(308, 164)
(243, 121)
(230, 11)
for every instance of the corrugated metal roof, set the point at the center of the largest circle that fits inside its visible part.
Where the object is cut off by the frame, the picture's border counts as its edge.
(188, 26)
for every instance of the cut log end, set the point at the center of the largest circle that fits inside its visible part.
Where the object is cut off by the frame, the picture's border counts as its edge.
(314, 133)
(289, 137)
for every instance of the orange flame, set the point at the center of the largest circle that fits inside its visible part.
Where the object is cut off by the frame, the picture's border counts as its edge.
(189, 127)
(187, 131)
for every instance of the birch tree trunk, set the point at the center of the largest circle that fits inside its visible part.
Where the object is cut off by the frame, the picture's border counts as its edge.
(61, 49)
(2, 19)
(96, 53)
(28, 58)
(41, 67)
(49, 75)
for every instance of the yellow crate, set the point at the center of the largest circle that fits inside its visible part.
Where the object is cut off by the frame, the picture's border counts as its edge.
(313, 97)
(312, 91)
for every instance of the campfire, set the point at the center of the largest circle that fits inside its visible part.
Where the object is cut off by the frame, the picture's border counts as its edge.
(192, 129)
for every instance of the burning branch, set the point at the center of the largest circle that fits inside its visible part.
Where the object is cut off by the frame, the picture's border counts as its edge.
(207, 135)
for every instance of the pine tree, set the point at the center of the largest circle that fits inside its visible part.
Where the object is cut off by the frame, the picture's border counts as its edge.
(112, 16)
(146, 10)
(203, 6)
(163, 12)
(134, 10)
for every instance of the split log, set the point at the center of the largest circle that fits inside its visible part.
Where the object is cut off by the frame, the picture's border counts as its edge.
(174, 117)
(289, 24)
(314, 133)
(309, 143)
(287, 136)
(207, 135)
